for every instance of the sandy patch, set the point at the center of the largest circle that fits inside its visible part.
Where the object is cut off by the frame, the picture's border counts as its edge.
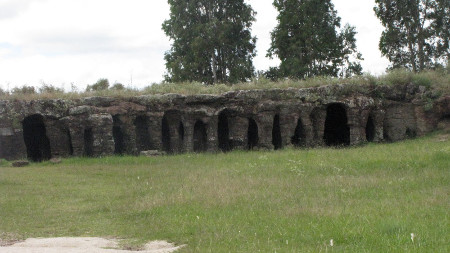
(82, 245)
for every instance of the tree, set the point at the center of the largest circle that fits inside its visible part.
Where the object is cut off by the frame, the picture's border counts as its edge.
(416, 34)
(101, 84)
(308, 42)
(212, 41)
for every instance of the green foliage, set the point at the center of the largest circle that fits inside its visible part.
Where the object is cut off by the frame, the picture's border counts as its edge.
(24, 90)
(367, 199)
(4, 163)
(101, 84)
(48, 88)
(416, 34)
(117, 86)
(308, 42)
(212, 41)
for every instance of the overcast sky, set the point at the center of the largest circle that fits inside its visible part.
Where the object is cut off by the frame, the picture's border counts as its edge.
(61, 42)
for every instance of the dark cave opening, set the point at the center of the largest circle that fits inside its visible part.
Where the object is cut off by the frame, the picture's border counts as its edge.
(299, 138)
(143, 142)
(119, 144)
(252, 134)
(200, 138)
(35, 138)
(370, 129)
(223, 132)
(276, 133)
(88, 142)
(337, 132)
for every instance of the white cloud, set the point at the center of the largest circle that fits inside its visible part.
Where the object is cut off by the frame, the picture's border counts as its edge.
(80, 41)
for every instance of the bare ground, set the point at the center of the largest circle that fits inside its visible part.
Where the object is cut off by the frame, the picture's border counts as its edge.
(80, 245)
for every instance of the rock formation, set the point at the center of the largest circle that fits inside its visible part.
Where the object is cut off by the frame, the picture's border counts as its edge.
(332, 115)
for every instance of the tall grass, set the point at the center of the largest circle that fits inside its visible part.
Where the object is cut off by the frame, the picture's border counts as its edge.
(437, 80)
(367, 199)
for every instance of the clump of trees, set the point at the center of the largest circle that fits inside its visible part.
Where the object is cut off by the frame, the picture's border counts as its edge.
(211, 41)
(416, 34)
(309, 41)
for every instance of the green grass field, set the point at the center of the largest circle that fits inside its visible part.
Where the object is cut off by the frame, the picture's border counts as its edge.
(367, 199)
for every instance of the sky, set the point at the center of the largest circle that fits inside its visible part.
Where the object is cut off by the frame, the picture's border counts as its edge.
(77, 42)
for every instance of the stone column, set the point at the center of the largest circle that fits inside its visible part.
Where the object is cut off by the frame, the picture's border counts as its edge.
(238, 128)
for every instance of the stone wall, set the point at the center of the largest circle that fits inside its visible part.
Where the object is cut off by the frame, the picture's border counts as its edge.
(261, 119)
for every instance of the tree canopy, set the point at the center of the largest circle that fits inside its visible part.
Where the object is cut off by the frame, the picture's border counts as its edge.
(416, 34)
(211, 41)
(310, 42)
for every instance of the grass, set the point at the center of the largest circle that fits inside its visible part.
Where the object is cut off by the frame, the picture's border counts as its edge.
(367, 199)
(438, 81)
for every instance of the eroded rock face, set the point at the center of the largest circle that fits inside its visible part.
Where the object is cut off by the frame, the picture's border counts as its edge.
(256, 119)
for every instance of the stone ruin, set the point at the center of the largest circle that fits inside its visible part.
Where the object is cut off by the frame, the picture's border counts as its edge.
(334, 115)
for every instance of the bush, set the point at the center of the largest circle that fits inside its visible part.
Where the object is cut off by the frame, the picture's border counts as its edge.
(48, 88)
(118, 86)
(101, 84)
(24, 90)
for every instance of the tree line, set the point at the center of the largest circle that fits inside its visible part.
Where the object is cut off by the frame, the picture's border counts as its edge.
(212, 40)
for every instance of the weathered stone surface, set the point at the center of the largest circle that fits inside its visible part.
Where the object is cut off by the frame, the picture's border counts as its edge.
(266, 119)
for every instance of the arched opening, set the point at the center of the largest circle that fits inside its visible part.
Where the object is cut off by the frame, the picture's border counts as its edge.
(252, 134)
(299, 138)
(337, 131)
(119, 144)
(223, 132)
(88, 142)
(200, 138)
(142, 134)
(276, 133)
(165, 135)
(370, 129)
(35, 138)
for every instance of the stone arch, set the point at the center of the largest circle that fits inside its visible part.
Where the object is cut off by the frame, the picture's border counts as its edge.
(88, 138)
(252, 134)
(142, 134)
(200, 137)
(118, 135)
(276, 133)
(336, 131)
(223, 131)
(370, 129)
(299, 138)
(35, 138)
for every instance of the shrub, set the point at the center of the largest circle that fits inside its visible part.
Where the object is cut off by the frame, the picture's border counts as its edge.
(101, 84)
(24, 90)
(48, 88)
(118, 86)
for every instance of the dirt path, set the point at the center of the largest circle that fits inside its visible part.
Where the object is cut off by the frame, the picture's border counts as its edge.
(82, 245)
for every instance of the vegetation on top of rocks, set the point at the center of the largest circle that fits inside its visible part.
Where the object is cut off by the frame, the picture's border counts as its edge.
(438, 81)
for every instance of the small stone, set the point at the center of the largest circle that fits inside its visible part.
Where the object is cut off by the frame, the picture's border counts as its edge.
(55, 160)
(20, 163)
(151, 153)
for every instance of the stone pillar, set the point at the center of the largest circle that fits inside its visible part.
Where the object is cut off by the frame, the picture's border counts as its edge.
(189, 136)
(318, 117)
(288, 123)
(265, 125)
(58, 135)
(238, 127)
(211, 133)
(357, 128)
(102, 125)
(155, 130)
